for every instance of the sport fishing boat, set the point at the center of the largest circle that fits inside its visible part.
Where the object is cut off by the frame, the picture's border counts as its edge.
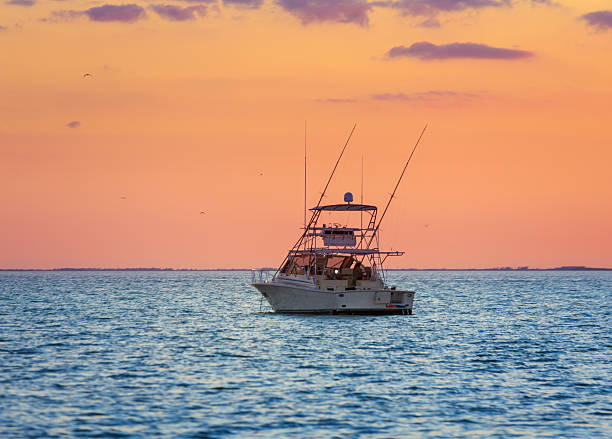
(337, 267)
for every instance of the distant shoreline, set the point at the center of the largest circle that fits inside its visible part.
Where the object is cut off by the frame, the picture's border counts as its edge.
(563, 268)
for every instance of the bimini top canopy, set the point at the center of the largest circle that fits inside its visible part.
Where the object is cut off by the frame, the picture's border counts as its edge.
(345, 207)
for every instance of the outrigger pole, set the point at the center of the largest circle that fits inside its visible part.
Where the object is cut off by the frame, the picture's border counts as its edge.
(304, 175)
(336, 165)
(398, 182)
(299, 241)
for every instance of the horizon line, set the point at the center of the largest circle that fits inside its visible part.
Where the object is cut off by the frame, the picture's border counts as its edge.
(506, 268)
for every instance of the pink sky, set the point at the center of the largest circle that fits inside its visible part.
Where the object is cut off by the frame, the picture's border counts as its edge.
(187, 103)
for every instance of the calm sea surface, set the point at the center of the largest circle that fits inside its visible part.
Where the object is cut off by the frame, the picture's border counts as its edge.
(188, 354)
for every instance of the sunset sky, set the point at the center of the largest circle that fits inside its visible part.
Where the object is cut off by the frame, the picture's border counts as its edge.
(121, 122)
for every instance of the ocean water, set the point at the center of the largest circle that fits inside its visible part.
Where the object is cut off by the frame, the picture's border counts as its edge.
(189, 355)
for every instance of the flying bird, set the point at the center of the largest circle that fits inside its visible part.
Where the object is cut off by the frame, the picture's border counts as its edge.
(123, 198)
(202, 213)
(87, 75)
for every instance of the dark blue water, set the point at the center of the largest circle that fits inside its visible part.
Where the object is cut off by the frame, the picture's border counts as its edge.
(187, 354)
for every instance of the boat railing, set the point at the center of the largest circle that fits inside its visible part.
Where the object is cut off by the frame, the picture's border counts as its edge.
(260, 275)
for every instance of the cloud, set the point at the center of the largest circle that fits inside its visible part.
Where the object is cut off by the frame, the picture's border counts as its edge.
(176, 13)
(123, 13)
(431, 95)
(432, 8)
(430, 22)
(63, 15)
(21, 2)
(129, 13)
(336, 100)
(251, 4)
(340, 11)
(422, 96)
(601, 20)
(73, 124)
(428, 51)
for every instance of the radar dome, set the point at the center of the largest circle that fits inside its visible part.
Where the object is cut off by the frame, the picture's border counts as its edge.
(348, 197)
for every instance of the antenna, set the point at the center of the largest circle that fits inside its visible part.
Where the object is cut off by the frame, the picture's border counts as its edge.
(398, 182)
(304, 175)
(361, 212)
(361, 178)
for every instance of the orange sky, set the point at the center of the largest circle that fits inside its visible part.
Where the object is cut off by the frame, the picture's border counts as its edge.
(183, 115)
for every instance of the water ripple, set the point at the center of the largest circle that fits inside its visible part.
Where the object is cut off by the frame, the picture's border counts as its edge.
(189, 354)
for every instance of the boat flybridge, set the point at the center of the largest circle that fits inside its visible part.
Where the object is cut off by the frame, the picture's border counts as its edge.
(336, 268)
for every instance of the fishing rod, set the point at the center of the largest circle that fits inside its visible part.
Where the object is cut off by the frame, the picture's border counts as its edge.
(396, 186)
(336, 165)
(299, 241)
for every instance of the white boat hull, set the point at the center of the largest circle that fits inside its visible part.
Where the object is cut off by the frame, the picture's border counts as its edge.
(287, 298)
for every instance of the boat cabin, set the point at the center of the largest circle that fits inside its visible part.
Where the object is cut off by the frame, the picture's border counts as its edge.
(334, 267)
